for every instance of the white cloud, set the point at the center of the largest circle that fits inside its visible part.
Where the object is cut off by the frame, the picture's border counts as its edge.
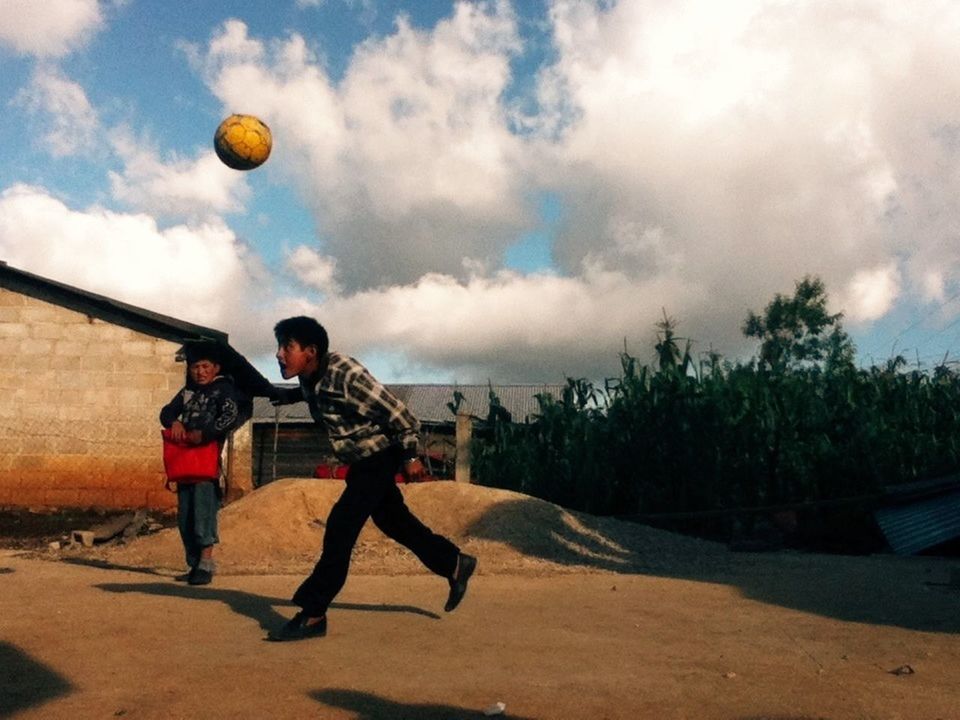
(763, 141)
(189, 188)
(179, 188)
(69, 122)
(409, 158)
(871, 293)
(200, 274)
(48, 28)
(706, 156)
(508, 326)
(313, 269)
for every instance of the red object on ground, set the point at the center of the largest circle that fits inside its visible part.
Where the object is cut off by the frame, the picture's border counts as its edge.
(332, 472)
(339, 472)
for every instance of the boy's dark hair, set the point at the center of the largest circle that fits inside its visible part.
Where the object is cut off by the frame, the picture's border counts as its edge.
(196, 350)
(305, 330)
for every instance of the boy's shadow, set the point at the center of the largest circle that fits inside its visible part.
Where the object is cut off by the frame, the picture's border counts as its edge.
(255, 607)
(368, 706)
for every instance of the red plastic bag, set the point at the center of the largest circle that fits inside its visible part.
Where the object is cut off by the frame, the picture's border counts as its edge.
(190, 463)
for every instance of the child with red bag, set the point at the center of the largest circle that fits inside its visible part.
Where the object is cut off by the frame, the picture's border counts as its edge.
(207, 409)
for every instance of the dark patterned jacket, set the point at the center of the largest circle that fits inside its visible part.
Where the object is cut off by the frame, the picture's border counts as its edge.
(215, 409)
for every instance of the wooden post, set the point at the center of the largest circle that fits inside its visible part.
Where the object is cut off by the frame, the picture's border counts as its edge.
(464, 434)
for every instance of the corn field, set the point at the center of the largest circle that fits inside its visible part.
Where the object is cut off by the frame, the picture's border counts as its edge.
(680, 436)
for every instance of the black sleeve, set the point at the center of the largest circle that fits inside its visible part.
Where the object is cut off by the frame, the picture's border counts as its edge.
(171, 411)
(287, 396)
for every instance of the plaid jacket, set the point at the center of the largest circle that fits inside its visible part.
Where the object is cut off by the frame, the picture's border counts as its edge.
(360, 415)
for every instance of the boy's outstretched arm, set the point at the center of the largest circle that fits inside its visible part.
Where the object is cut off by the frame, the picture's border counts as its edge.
(286, 395)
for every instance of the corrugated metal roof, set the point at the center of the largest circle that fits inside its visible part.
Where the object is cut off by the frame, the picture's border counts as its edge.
(913, 527)
(428, 403)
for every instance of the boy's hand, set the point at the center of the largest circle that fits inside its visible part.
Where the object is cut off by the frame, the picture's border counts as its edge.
(285, 396)
(413, 470)
(178, 433)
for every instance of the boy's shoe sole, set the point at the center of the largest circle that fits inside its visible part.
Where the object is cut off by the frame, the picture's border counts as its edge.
(198, 576)
(458, 583)
(297, 628)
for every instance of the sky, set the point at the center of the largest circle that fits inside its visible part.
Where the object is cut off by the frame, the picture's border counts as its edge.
(493, 191)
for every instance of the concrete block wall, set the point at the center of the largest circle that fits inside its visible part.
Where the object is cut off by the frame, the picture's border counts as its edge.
(79, 406)
(239, 463)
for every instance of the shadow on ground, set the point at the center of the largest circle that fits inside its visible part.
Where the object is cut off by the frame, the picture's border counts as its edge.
(106, 565)
(879, 589)
(539, 529)
(783, 717)
(256, 607)
(368, 706)
(25, 683)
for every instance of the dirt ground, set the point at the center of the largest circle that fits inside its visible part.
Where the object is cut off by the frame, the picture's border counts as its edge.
(569, 616)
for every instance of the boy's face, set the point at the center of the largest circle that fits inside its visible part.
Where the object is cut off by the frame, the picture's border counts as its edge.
(295, 360)
(203, 372)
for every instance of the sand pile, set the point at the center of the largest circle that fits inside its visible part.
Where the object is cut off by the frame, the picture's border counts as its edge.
(279, 528)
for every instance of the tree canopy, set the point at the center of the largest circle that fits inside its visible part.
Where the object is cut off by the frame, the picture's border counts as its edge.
(798, 331)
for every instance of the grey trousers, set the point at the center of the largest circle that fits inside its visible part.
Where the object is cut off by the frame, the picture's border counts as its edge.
(197, 508)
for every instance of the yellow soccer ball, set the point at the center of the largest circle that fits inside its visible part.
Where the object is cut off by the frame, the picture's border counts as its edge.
(243, 142)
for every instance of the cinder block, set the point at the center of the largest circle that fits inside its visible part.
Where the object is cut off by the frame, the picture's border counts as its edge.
(48, 331)
(28, 497)
(84, 537)
(114, 334)
(137, 348)
(9, 298)
(19, 330)
(61, 363)
(98, 349)
(97, 497)
(132, 397)
(69, 348)
(41, 312)
(62, 497)
(75, 413)
(31, 462)
(161, 499)
(131, 497)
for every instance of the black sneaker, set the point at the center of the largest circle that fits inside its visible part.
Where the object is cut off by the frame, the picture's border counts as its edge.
(184, 577)
(199, 576)
(458, 583)
(297, 628)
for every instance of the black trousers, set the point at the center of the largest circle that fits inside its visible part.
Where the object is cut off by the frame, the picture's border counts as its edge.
(371, 492)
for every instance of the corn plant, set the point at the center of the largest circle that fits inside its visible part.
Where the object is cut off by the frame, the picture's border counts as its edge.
(799, 423)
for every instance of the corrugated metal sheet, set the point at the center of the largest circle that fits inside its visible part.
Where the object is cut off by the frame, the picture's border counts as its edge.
(428, 403)
(920, 525)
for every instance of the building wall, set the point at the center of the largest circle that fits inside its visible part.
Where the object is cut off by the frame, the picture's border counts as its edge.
(240, 463)
(302, 446)
(79, 405)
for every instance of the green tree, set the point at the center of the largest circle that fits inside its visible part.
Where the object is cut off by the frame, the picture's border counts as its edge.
(798, 331)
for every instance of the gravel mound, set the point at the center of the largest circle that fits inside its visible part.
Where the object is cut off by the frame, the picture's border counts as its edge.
(279, 529)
